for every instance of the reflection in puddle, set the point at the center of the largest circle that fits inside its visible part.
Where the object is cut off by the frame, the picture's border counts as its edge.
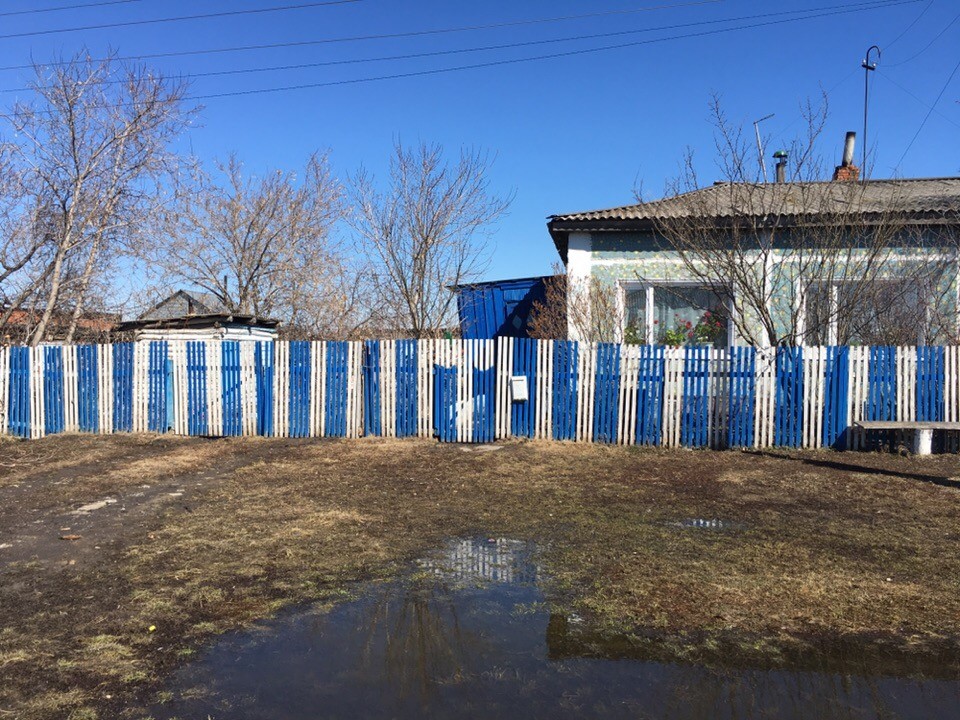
(467, 634)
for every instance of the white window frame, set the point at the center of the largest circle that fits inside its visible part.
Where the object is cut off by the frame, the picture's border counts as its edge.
(649, 311)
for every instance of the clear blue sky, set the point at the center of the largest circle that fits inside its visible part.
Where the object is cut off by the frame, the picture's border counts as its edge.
(569, 133)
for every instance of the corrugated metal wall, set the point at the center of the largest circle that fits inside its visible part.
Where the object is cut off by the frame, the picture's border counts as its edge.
(498, 309)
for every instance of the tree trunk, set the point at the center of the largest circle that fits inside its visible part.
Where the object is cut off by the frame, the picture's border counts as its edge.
(82, 291)
(52, 298)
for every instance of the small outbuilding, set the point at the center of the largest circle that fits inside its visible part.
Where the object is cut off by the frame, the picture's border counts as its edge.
(500, 308)
(197, 316)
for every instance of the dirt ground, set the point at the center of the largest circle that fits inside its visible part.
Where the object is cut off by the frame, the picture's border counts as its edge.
(120, 556)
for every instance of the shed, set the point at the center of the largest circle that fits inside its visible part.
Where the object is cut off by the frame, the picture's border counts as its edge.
(500, 308)
(218, 326)
(198, 316)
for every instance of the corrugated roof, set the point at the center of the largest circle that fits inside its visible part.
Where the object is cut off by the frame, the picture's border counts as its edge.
(915, 196)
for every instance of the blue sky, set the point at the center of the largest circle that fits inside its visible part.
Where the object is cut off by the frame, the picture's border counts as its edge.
(568, 133)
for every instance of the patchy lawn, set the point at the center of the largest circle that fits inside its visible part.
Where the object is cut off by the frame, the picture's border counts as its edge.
(120, 556)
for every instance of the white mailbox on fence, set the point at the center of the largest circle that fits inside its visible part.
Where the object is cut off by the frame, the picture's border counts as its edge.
(519, 392)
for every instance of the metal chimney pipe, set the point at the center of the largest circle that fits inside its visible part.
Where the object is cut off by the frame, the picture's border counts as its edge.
(848, 145)
(781, 157)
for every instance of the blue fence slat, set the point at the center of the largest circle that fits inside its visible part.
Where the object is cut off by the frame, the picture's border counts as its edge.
(930, 382)
(836, 383)
(371, 388)
(335, 395)
(742, 395)
(650, 381)
(445, 403)
(523, 414)
(406, 365)
(18, 394)
(53, 420)
(197, 420)
(695, 403)
(564, 401)
(606, 393)
(484, 404)
(231, 397)
(263, 357)
(299, 389)
(158, 381)
(87, 388)
(882, 384)
(788, 397)
(122, 387)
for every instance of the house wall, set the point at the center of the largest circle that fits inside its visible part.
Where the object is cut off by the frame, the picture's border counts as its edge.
(614, 261)
(238, 332)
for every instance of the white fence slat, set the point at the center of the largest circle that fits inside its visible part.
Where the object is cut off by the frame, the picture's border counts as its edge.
(4, 388)
(37, 424)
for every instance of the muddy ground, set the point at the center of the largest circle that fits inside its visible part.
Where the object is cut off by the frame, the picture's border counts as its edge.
(121, 556)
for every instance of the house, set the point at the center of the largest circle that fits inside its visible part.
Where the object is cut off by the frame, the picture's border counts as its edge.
(499, 308)
(189, 315)
(92, 326)
(845, 261)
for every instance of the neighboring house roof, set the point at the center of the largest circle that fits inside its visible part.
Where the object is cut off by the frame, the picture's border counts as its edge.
(183, 303)
(190, 309)
(917, 200)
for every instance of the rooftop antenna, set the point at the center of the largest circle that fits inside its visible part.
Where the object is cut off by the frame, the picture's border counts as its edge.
(867, 68)
(756, 129)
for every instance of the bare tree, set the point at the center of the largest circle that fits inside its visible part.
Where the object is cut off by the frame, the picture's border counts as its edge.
(264, 245)
(594, 313)
(88, 159)
(803, 260)
(426, 231)
(548, 317)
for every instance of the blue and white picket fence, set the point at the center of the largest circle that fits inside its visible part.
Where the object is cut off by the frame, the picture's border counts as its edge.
(461, 391)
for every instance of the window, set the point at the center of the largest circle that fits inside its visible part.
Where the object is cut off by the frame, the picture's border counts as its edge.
(885, 311)
(674, 313)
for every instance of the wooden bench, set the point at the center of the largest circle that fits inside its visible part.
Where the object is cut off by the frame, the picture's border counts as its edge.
(922, 431)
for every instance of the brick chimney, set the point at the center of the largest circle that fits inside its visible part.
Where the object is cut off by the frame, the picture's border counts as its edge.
(846, 170)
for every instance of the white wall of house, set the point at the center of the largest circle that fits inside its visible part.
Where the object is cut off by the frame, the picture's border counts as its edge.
(579, 271)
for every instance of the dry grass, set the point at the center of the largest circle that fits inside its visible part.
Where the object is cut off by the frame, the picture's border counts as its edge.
(833, 546)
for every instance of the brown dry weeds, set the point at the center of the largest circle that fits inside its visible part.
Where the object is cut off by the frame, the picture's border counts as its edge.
(834, 546)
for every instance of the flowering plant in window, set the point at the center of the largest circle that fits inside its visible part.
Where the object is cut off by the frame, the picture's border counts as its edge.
(708, 329)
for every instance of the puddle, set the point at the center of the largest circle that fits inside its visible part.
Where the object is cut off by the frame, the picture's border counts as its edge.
(710, 524)
(467, 634)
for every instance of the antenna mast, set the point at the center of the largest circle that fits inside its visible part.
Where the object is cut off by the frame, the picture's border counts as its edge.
(756, 129)
(867, 68)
